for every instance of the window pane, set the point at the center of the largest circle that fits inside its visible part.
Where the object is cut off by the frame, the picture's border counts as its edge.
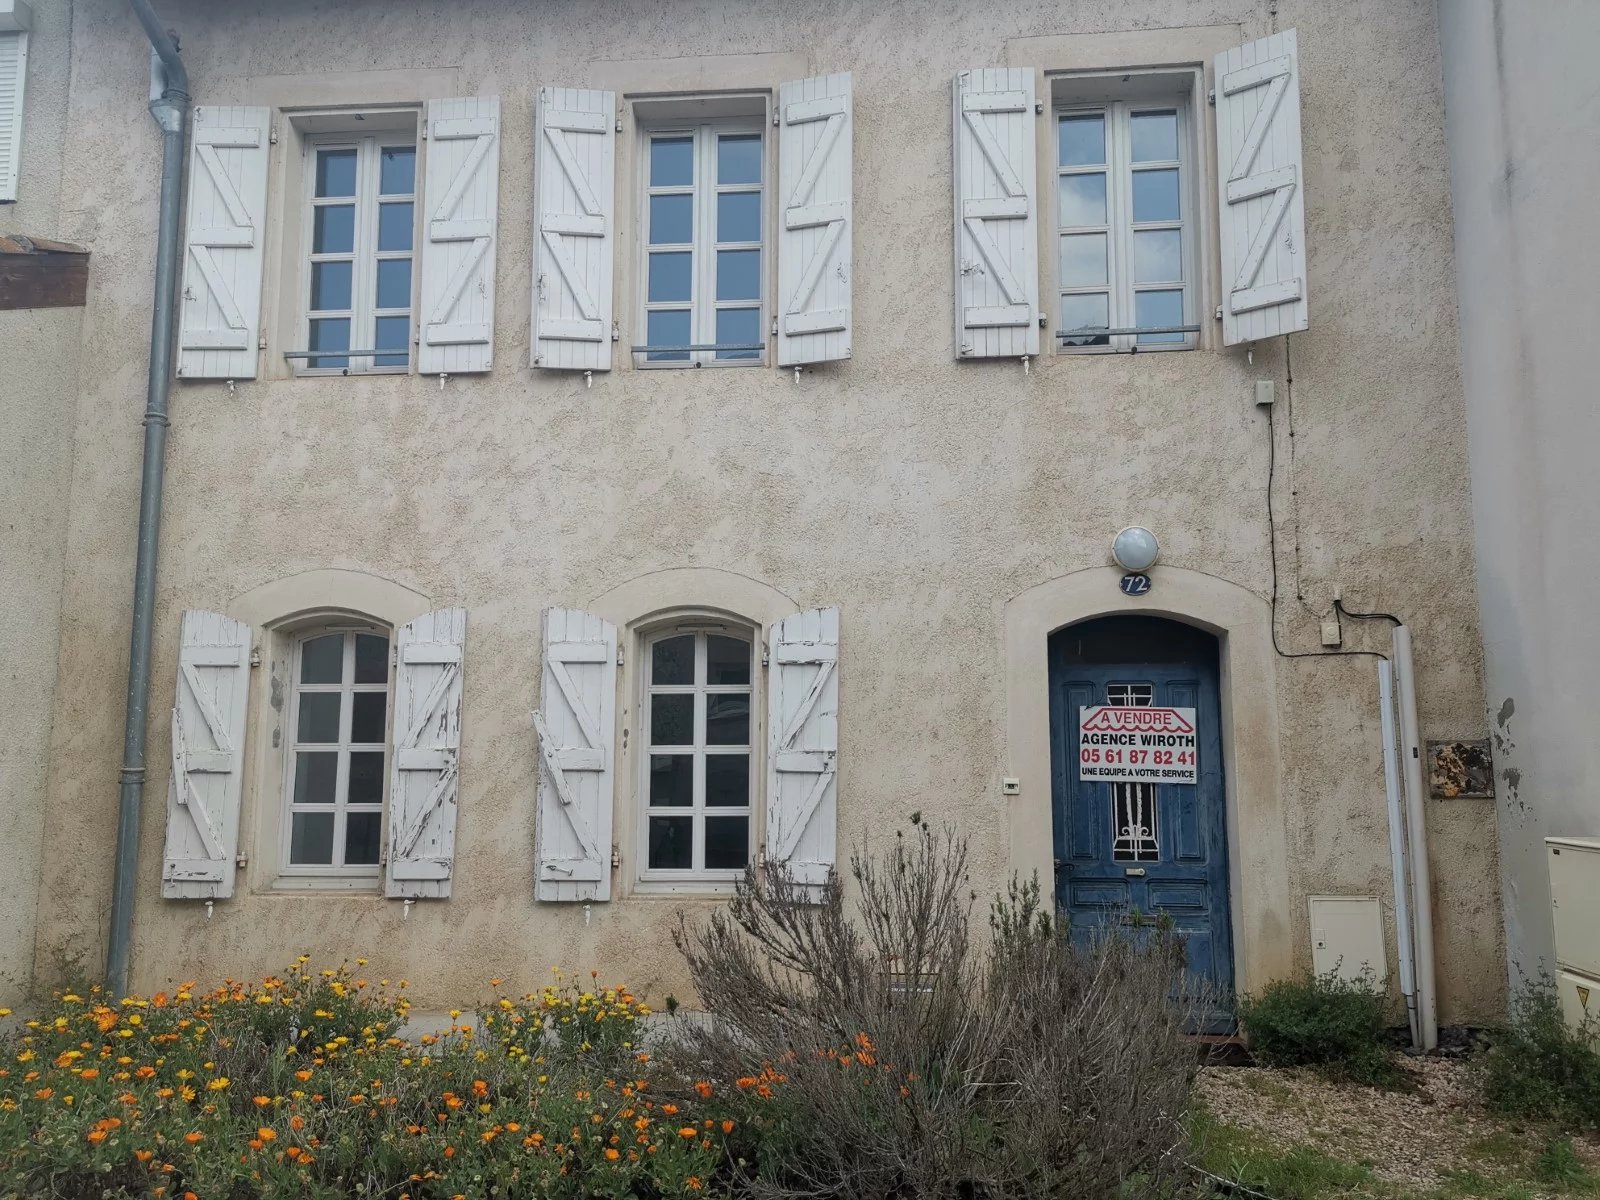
(367, 717)
(1158, 256)
(311, 839)
(1158, 308)
(1086, 312)
(316, 776)
(394, 283)
(672, 660)
(398, 174)
(728, 780)
(1155, 137)
(1155, 196)
(372, 658)
(727, 660)
(668, 329)
(672, 720)
(739, 158)
(669, 276)
(671, 780)
(728, 720)
(671, 843)
(366, 777)
(727, 843)
(1082, 140)
(739, 217)
(671, 162)
(361, 838)
(319, 717)
(392, 333)
(394, 226)
(1083, 200)
(330, 285)
(739, 327)
(738, 274)
(330, 333)
(671, 219)
(333, 229)
(336, 172)
(322, 659)
(1083, 259)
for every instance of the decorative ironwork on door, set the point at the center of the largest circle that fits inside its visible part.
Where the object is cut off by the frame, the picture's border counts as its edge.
(1133, 805)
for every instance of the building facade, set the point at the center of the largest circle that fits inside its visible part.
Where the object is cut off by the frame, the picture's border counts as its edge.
(614, 445)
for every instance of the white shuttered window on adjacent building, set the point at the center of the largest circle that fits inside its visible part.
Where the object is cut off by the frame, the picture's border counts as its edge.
(208, 725)
(815, 140)
(575, 236)
(996, 214)
(13, 75)
(220, 318)
(1261, 179)
(802, 798)
(461, 206)
(424, 773)
(577, 759)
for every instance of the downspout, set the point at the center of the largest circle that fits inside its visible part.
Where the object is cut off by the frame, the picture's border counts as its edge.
(171, 111)
(1417, 839)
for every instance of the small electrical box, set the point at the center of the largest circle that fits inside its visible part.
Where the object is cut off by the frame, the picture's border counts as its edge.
(1010, 786)
(1347, 937)
(1265, 392)
(1331, 634)
(1575, 902)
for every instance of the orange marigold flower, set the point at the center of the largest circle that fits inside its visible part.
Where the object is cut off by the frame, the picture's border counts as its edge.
(488, 1135)
(688, 1131)
(693, 1183)
(512, 1127)
(727, 1127)
(746, 1081)
(261, 1101)
(704, 1089)
(669, 1109)
(255, 1143)
(144, 1072)
(480, 1088)
(143, 1156)
(44, 1093)
(612, 1155)
(89, 1073)
(96, 1136)
(194, 1136)
(297, 1122)
(302, 1075)
(449, 1151)
(293, 1152)
(267, 1135)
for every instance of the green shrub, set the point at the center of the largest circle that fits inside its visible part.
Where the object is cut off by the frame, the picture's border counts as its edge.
(1539, 1067)
(1335, 1025)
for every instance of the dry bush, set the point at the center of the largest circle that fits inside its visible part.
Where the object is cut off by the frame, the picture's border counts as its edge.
(878, 1052)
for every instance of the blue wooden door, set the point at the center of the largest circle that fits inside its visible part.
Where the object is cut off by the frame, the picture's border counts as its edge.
(1130, 853)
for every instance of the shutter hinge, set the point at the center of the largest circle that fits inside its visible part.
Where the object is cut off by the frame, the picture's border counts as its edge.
(1038, 108)
(242, 861)
(1211, 97)
(1218, 313)
(774, 116)
(255, 656)
(765, 657)
(616, 858)
(619, 122)
(272, 135)
(774, 324)
(619, 655)
(394, 655)
(761, 857)
(261, 342)
(616, 334)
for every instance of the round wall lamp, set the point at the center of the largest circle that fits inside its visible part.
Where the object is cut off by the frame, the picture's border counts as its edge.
(1135, 549)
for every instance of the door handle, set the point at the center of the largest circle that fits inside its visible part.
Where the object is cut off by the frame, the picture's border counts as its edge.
(1133, 871)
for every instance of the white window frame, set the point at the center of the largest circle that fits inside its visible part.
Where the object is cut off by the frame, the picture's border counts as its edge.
(336, 873)
(703, 304)
(698, 879)
(364, 256)
(1119, 169)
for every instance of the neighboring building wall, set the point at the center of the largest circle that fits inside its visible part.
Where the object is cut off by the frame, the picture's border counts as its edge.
(38, 411)
(1522, 109)
(919, 494)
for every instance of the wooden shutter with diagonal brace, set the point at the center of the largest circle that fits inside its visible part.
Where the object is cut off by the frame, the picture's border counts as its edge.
(803, 744)
(460, 194)
(424, 775)
(815, 135)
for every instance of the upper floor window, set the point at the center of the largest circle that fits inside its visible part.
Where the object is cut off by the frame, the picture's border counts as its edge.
(361, 238)
(698, 785)
(704, 263)
(1123, 226)
(339, 715)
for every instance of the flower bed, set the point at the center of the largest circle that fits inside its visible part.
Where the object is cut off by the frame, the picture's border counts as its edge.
(297, 1086)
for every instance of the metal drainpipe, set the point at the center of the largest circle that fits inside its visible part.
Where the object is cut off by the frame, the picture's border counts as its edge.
(171, 112)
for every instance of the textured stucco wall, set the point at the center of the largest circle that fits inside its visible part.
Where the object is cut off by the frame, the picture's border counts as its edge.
(38, 408)
(1523, 106)
(918, 494)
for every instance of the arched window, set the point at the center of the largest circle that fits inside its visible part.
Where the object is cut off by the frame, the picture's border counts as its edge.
(699, 705)
(337, 752)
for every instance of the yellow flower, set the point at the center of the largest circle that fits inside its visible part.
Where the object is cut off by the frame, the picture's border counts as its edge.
(218, 1084)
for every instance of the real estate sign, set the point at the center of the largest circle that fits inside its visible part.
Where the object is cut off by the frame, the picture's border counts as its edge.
(1141, 744)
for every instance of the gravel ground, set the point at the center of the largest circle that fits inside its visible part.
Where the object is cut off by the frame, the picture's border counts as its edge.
(1410, 1138)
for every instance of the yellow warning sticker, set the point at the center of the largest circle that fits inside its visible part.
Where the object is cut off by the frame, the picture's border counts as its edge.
(1583, 996)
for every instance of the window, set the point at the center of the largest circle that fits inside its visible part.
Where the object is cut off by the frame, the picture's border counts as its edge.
(361, 239)
(339, 720)
(704, 270)
(697, 762)
(1122, 202)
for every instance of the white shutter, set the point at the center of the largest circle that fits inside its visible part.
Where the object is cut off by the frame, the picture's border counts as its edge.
(424, 772)
(803, 743)
(1261, 176)
(577, 778)
(575, 236)
(13, 74)
(208, 717)
(461, 201)
(815, 136)
(997, 217)
(221, 311)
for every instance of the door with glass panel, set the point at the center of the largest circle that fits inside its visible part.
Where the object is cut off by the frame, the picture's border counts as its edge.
(1134, 854)
(698, 732)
